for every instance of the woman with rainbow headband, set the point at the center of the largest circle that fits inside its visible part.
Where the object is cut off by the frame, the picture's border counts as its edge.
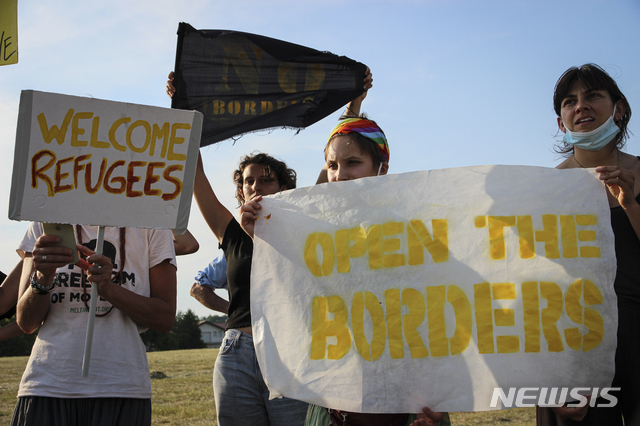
(240, 394)
(357, 148)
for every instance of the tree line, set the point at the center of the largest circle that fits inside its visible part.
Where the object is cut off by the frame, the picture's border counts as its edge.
(185, 334)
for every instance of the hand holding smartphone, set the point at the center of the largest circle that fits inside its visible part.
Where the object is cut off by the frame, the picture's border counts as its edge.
(67, 236)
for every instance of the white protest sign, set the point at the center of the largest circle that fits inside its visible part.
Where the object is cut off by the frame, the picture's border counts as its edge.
(432, 288)
(95, 162)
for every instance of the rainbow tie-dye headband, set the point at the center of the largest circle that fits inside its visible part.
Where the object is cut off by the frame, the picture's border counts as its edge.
(367, 128)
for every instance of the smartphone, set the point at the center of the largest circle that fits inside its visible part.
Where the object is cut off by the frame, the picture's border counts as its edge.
(67, 236)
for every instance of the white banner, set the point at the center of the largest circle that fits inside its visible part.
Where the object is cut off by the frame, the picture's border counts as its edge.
(95, 162)
(433, 288)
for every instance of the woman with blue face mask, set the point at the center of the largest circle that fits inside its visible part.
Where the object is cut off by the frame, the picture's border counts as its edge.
(593, 115)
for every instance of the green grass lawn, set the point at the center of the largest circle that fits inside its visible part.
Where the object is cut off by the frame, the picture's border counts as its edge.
(185, 395)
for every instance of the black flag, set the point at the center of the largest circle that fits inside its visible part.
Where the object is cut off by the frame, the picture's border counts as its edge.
(244, 82)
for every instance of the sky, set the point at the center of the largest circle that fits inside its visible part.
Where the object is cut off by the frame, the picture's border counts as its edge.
(456, 82)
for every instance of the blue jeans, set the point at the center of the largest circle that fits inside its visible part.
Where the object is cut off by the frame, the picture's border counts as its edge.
(241, 396)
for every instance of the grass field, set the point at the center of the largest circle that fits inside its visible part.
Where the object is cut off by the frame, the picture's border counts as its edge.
(182, 392)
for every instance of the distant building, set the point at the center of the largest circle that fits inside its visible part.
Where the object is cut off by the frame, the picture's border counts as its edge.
(212, 333)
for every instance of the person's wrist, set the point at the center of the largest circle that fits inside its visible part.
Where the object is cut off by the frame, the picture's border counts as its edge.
(44, 278)
(632, 207)
(105, 288)
(50, 283)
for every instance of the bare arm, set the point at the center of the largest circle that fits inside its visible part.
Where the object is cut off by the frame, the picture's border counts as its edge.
(9, 331)
(353, 107)
(352, 110)
(215, 214)
(185, 243)
(156, 311)
(32, 308)
(209, 298)
(9, 289)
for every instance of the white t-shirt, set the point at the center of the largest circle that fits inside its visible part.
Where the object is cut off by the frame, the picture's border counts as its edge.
(118, 367)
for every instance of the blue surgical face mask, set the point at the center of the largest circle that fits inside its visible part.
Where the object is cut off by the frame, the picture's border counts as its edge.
(596, 139)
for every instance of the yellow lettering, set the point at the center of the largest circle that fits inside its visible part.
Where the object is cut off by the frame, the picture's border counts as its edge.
(314, 77)
(112, 133)
(394, 322)
(436, 296)
(464, 323)
(157, 133)
(55, 132)
(484, 319)
(147, 136)
(531, 316)
(322, 328)
(94, 142)
(524, 225)
(418, 237)
(266, 107)
(374, 244)
(250, 108)
(77, 131)
(496, 235)
(373, 351)
(551, 314)
(248, 72)
(414, 301)
(568, 236)
(549, 235)
(218, 107)
(587, 220)
(287, 76)
(589, 317)
(328, 254)
(345, 251)
(505, 317)
(392, 244)
(174, 140)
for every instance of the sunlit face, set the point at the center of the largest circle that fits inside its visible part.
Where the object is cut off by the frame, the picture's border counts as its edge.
(256, 182)
(585, 110)
(346, 161)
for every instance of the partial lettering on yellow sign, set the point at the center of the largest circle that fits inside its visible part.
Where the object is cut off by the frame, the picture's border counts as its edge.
(8, 32)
